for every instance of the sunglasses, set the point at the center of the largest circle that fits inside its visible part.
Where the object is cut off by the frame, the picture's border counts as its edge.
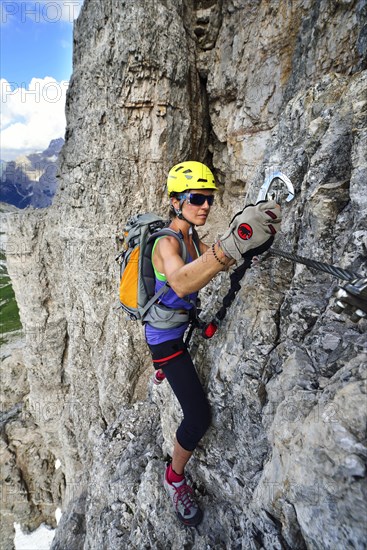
(198, 199)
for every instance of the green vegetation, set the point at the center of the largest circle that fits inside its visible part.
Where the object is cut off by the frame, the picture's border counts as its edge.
(9, 312)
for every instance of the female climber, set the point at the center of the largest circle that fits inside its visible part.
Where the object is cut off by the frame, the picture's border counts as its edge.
(191, 187)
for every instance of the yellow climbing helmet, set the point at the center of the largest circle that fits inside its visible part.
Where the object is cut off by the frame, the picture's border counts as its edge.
(189, 175)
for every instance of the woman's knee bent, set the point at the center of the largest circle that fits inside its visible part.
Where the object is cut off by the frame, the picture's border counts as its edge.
(193, 427)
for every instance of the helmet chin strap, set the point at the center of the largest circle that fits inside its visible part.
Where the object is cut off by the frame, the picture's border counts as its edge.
(179, 214)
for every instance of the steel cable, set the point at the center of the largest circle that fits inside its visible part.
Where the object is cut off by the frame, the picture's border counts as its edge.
(338, 272)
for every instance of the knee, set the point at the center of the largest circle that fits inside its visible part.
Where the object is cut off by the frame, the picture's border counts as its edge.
(193, 427)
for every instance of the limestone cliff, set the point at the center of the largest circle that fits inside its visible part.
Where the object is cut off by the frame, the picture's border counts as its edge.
(247, 87)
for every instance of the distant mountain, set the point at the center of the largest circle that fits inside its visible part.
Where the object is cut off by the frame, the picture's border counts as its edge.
(31, 180)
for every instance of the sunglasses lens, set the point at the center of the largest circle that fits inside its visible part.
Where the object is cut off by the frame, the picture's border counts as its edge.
(198, 199)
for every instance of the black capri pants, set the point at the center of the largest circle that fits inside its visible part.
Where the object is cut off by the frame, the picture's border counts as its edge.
(175, 361)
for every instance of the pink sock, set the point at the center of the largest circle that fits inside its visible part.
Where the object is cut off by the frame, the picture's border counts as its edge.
(173, 477)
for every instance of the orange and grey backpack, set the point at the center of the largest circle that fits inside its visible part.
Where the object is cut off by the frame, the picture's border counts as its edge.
(137, 279)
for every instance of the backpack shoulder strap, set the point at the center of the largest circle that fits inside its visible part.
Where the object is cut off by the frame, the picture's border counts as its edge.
(167, 232)
(196, 239)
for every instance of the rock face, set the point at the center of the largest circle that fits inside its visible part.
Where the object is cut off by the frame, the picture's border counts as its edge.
(249, 87)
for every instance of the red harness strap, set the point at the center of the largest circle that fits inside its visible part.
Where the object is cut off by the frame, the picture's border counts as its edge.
(169, 357)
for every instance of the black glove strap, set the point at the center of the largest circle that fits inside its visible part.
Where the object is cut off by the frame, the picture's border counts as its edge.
(235, 279)
(259, 249)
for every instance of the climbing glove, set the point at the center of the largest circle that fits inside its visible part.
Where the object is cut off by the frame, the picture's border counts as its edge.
(251, 231)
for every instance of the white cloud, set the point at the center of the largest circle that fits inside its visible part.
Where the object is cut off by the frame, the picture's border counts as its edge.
(43, 11)
(31, 117)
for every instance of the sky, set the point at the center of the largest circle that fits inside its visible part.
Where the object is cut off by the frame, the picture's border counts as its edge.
(35, 67)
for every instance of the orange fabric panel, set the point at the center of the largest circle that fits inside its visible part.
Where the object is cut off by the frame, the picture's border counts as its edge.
(129, 281)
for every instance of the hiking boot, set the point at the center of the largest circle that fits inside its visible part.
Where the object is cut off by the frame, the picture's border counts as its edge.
(158, 377)
(183, 500)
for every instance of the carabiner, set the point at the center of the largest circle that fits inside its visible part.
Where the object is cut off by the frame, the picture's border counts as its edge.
(265, 194)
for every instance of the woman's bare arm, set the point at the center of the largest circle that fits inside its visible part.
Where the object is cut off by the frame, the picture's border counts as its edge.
(187, 278)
